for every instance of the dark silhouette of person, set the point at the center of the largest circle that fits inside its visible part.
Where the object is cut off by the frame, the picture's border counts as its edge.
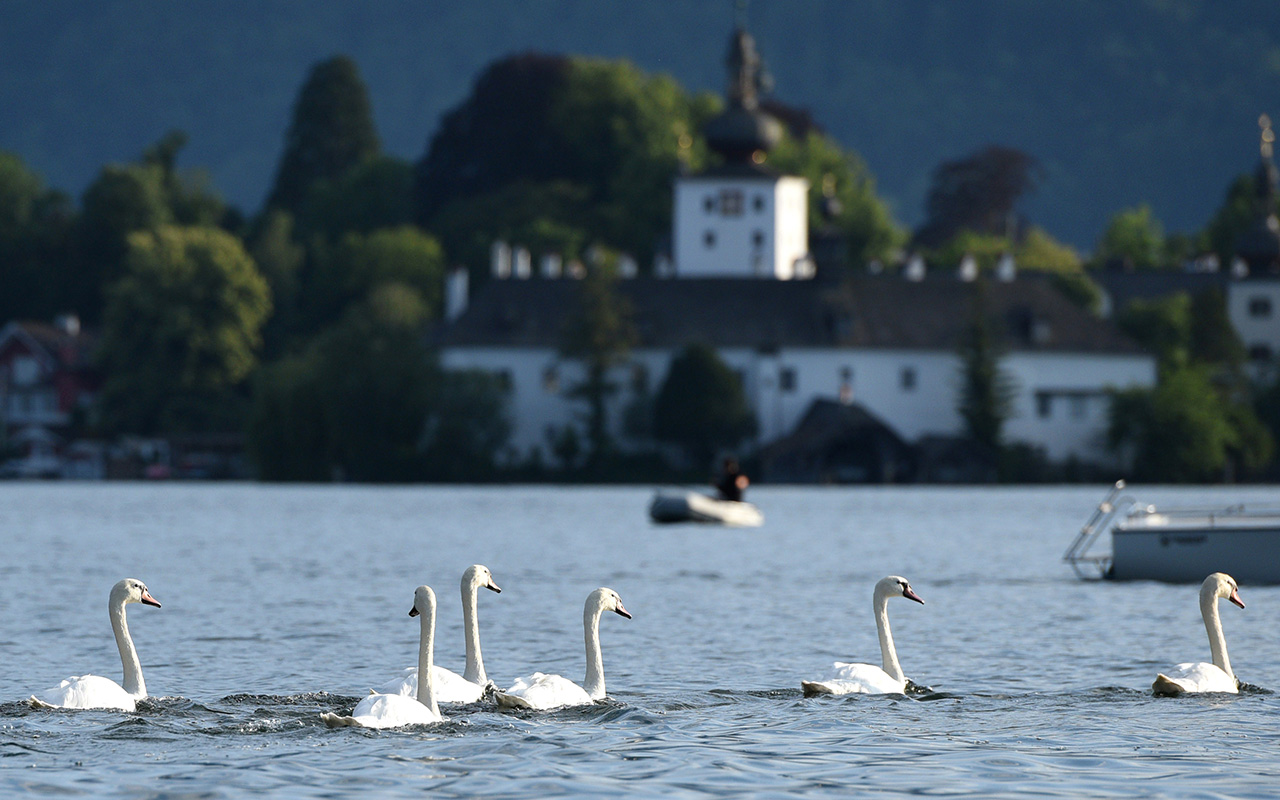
(732, 482)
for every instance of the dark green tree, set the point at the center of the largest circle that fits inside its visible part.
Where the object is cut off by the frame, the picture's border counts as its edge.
(702, 406)
(331, 132)
(375, 193)
(36, 227)
(467, 425)
(599, 335)
(1162, 325)
(1178, 432)
(986, 391)
(182, 331)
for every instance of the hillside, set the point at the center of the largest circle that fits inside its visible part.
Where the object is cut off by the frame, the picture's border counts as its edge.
(1121, 101)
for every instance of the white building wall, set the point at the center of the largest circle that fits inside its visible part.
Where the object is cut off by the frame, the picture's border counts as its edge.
(739, 227)
(1253, 306)
(1060, 401)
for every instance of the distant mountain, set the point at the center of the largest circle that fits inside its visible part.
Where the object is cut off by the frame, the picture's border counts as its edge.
(1122, 101)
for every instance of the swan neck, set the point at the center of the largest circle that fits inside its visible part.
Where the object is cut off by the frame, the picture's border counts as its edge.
(134, 685)
(426, 653)
(888, 654)
(474, 671)
(594, 683)
(1213, 626)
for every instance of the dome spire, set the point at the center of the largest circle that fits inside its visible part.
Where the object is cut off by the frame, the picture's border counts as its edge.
(744, 133)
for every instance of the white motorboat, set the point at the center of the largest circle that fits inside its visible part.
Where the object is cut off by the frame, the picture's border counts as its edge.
(1178, 545)
(698, 507)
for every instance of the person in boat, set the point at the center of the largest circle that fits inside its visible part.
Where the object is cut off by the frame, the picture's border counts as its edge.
(732, 482)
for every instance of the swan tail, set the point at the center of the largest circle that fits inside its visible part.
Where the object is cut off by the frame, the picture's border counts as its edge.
(813, 688)
(505, 700)
(1164, 686)
(36, 702)
(339, 721)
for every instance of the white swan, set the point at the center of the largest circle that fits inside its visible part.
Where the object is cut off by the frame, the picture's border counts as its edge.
(867, 678)
(93, 691)
(396, 710)
(542, 691)
(1199, 676)
(450, 687)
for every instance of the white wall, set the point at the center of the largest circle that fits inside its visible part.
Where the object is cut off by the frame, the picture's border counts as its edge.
(1254, 308)
(1060, 402)
(757, 227)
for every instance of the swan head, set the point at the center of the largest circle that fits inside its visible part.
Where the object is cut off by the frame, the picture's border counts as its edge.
(897, 586)
(607, 600)
(1221, 585)
(424, 600)
(132, 590)
(478, 575)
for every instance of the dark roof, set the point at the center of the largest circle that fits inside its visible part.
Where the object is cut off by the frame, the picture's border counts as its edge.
(1124, 287)
(878, 311)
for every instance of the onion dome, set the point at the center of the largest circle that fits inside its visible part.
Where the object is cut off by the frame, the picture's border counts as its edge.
(743, 133)
(1259, 246)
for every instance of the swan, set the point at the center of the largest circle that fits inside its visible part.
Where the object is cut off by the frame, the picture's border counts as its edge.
(450, 687)
(396, 710)
(94, 691)
(1202, 677)
(867, 678)
(542, 691)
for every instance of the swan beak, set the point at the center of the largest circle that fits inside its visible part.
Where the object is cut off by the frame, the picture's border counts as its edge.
(622, 611)
(1235, 598)
(148, 600)
(413, 612)
(493, 587)
(910, 594)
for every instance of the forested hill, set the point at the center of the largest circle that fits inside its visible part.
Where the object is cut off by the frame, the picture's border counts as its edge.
(1122, 101)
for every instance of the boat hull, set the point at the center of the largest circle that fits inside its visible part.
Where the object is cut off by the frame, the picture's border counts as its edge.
(1187, 554)
(697, 507)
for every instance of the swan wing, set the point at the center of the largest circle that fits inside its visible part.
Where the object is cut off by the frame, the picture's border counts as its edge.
(542, 691)
(384, 711)
(848, 678)
(1194, 677)
(86, 691)
(449, 686)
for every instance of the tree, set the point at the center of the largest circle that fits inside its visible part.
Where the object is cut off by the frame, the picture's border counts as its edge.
(466, 427)
(280, 259)
(1162, 325)
(1178, 432)
(977, 193)
(375, 193)
(701, 405)
(36, 226)
(841, 194)
(1134, 238)
(332, 131)
(599, 335)
(182, 330)
(359, 264)
(986, 393)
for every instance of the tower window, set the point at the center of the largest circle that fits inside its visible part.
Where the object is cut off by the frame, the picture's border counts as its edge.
(758, 203)
(709, 239)
(787, 379)
(907, 379)
(708, 204)
(731, 202)
(1044, 405)
(757, 238)
(1260, 307)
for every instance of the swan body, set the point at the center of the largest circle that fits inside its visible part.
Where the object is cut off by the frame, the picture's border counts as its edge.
(542, 692)
(450, 687)
(1194, 677)
(888, 678)
(397, 710)
(95, 691)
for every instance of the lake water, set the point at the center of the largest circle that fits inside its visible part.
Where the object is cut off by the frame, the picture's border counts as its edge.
(283, 602)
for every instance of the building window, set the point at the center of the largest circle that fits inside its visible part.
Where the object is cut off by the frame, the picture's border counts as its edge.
(708, 204)
(1044, 405)
(846, 385)
(709, 239)
(1260, 352)
(758, 203)
(1078, 406)
(907, 379)
(787, 379)
(1260, 307)
(731, 202)
(757, 238)
(551, 380)
(505, 380)
(639, 379)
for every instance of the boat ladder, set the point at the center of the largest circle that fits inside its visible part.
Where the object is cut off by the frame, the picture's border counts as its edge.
(1103, 518)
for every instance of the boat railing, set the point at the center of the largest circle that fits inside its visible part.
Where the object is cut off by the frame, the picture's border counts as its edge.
(1206, 516)
(1103, 518)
